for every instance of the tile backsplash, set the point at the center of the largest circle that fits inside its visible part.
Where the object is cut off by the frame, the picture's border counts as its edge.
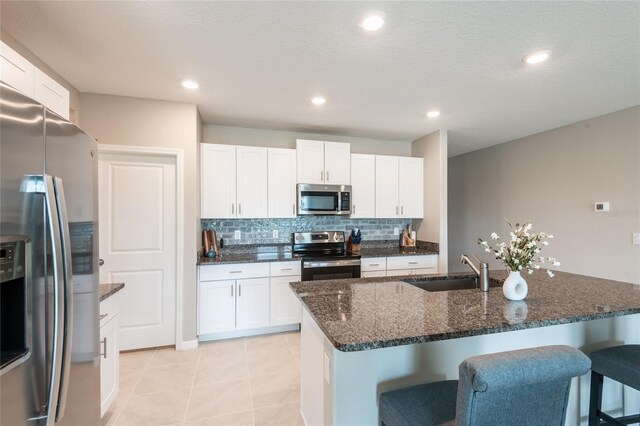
(260, 231)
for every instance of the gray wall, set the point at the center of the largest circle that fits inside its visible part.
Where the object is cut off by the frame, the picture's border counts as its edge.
(120, 120)
(553, 179)
(229, 135)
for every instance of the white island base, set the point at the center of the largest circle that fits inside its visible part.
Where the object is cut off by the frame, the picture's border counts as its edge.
(342, 388)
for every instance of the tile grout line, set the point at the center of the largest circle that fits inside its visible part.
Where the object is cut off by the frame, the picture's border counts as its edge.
(193, 382)
(126, 400)
(246, 358)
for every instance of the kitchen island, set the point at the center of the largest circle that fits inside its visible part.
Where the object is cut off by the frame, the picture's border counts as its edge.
(362, 337)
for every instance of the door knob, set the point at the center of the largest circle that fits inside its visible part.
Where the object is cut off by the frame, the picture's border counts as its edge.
(100, 262)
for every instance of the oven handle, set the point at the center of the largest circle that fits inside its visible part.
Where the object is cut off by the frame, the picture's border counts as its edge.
(330, 263)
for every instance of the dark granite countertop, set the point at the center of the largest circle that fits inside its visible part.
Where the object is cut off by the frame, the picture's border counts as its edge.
(110, 289)
(370, 313)
(394, 251)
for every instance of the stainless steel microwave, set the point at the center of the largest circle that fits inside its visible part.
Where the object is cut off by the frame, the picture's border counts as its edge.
(324, 199)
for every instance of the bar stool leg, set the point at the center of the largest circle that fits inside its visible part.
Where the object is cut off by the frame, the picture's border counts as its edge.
(595, 400)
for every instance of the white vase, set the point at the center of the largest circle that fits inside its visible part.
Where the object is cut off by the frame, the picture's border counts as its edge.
(515, 287)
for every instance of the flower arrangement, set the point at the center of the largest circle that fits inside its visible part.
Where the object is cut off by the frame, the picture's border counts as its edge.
(521, 251)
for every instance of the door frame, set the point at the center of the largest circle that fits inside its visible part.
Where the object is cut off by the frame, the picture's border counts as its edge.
(178, 156)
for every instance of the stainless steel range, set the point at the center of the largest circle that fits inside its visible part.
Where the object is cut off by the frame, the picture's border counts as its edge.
(324, 256)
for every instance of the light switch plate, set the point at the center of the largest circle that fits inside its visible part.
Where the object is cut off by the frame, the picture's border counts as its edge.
(396, 231)
(275, 233)
(237, 234)
(636, 238)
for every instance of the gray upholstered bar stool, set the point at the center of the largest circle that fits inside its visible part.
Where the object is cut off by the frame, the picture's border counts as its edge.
(620, 363)
(523, 387)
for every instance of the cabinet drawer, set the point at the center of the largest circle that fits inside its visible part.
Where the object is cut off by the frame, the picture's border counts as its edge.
(233, 271)
(372, 274)
(373, 264)
(412, 262)
(283, 269)
(109, 308)
(398, 272)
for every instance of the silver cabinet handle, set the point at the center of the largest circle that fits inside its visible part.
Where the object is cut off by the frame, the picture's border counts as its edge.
(293, 208)
(401, 209)
(231, 290)
(239, 290)
(232, 209)
(322, 175)
(413, 263)
(285, 269)
(354, 209)
(104, 353)
(374, 264)
(239, 208)
(100, 262)
(327, 175)
(396, 209)
(235, 272)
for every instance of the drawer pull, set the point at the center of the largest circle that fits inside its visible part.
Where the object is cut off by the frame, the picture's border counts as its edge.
(285, 269)
(374, 264)
(413, 263)
(104, 342)
(231, 290)
(239, 290)
(235, 272)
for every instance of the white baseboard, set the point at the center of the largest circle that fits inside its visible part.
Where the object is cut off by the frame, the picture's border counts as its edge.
(248, 333)
(187, 345)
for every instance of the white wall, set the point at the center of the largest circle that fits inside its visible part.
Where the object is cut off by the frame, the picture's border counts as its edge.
(119, 120)
(433, 227)
(229, 135)
(553, 179)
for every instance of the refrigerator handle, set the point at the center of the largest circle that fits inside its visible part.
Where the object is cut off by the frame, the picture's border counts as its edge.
(63, 217)
(58, 291)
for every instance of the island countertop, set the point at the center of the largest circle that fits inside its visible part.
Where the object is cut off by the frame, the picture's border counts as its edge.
(370, 313)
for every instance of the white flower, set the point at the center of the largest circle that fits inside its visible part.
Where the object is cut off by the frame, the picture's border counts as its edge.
(549, 236)
(536, 266)
(551, 274)
(494, 236)
(488, 250)
(556, 263)
(530, 271)
(516, 261)
(528, 226)
(546, 243)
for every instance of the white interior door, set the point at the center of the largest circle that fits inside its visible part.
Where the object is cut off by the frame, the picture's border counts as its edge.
(138, 243)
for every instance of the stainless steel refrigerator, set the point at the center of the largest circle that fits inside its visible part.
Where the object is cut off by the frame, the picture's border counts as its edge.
(49, 315)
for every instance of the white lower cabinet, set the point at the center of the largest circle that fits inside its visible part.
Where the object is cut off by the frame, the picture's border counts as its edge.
(258, 298)
(399, 265)
(252, 307)
(109, 352)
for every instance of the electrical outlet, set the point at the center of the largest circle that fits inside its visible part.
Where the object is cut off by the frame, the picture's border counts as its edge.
(237, 234)
(396, 231)
(636, 238)
(275, 233)
(601, 206)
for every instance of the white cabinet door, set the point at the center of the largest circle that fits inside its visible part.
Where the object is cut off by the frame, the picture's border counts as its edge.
(15, 70)
(363, 186)
(109, 363)
(310, 161)
(218, 184)
(251, 172)
(253, 303)
(337, 163)
(216, 306)
(50, 93)
(285, 306)
(387, 186)
(411, 184)
(281, 182)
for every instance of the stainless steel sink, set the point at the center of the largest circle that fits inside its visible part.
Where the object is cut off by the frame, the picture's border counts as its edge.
(446, 284)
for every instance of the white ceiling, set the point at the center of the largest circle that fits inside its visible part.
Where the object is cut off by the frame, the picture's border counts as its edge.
(259, 63)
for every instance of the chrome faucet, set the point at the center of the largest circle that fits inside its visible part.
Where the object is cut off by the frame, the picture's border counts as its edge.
(482, 272)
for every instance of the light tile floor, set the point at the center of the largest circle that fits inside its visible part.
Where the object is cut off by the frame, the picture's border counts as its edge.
(247, 381)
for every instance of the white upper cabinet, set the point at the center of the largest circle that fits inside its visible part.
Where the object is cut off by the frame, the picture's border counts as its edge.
(363, 186)
(323, 162)
(16, 71)
(251, 175)
(310, 155)
(399, 187)
(411, 184)
(387, 181)
(218, 185)
(50, 93)
(281, 182)
(19, 73)
(337, 163)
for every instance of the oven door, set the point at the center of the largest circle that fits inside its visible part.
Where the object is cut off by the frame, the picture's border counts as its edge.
(328, 269)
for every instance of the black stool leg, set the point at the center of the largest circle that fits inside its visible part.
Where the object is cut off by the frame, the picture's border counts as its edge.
(595, 400)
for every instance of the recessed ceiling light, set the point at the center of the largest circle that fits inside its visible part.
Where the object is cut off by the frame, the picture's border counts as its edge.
(537, 56)
(318, 100)
(372, 23)
(433, 114)
(189, 84)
